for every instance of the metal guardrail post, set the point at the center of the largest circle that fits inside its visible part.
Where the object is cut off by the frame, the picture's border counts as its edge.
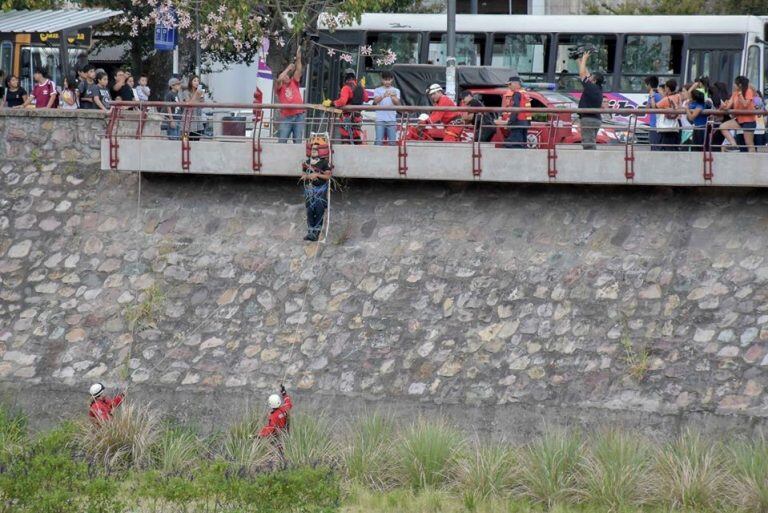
(552, 148)
(707, 157)
(185, 124)
(629, 149)
(114, 145)
(142, 118)
(402, 152)
(256, 145)
(477, 159)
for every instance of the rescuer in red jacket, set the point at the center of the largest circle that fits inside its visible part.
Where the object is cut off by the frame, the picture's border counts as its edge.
(278, 416)
(447, 126)
(102, 405)
(352, 93)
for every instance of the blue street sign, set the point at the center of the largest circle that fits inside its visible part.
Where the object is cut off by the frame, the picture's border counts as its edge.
(165, 37)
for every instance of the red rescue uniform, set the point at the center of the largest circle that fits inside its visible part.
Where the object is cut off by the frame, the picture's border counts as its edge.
(448, 124)
(102, 407)
(278, 419)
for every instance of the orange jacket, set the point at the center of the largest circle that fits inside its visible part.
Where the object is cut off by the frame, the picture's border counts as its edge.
(524, 101)
(278, 419)
(101, 408)
(437, 117)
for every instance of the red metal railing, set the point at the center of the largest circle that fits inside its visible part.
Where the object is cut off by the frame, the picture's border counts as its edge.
(557, 122)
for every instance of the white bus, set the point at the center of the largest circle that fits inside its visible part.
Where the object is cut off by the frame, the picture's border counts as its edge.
(538, 47)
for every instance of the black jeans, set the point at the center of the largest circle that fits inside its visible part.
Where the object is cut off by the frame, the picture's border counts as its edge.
(517, 136)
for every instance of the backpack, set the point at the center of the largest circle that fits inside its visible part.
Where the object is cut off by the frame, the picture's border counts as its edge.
(357, 94)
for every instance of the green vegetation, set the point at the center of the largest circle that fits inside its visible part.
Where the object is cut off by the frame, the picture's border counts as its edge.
(139, 463)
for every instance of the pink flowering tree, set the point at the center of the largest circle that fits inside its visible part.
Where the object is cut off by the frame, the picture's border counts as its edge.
(236, 31)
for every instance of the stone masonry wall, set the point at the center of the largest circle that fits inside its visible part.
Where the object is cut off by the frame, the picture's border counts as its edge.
(505, 307)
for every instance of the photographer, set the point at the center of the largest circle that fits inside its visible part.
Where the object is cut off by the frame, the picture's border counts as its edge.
(591, 98)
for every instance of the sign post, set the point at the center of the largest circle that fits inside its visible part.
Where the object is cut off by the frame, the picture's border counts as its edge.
(165, 36)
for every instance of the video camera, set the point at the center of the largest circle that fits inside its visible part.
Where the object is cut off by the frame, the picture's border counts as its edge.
(575, 52)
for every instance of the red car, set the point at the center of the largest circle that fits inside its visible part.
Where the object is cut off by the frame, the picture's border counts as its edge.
(566, 131)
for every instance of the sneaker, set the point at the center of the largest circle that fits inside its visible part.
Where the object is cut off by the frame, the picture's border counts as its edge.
(308, 237)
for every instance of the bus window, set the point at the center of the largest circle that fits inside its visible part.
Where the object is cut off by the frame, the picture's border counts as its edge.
(405, 45)
(602, 61)
(469, 49)
(525, 53)
(753, 65)
(6, 51)
(659, 55)
(38, 57)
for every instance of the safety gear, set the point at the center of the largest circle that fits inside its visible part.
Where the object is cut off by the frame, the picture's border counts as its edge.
(350, 128)
(278, 419)
(96, 390)
(424, 117)
(525, 101)
(274, 401)
(282, 391)
(102, 407)
(362, 81)
(327, 103)
(448, 125)
(434, 88)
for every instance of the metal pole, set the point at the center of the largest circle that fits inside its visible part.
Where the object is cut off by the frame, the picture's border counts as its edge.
(473, 6)
(197, 39)
(63, 56)
(450, 59)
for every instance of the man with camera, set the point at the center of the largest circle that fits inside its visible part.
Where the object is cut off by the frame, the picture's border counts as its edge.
(591, 98)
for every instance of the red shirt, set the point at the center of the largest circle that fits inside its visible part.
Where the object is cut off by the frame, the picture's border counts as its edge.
(443, 117)
(42, 94)
(258, 98)
(101, 408)
(347, 93)
(290, 93)
(278, 419)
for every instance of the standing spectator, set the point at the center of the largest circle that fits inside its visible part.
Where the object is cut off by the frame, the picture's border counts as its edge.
(693, 113)
(173, 112)
(130, 83)
(87, 89)
(120, 89)
(291, 121)
(142, 90)
(742, 99)
(2, 85)
(15, 95)
(194, 93)
(101, 96)
(654, 96)
(669, 124)
(386, 120)
(44, 92)
(68, 94)
(482, 122)
(591, 98)
(517, 122)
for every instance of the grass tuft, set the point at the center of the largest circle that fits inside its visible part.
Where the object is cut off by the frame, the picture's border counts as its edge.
(691, 474)
(178, 452)
(429, 452)
(549, 468)
(369, 458)
(485, 473)
(309, 442)
(615, 472)
(749, 473)
(123, 442)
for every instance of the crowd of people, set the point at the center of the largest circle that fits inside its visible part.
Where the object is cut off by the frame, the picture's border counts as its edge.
(694, 130)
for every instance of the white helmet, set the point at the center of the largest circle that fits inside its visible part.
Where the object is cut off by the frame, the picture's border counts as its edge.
(424, 117)
(274, 401)
(96, 390)
(434, 88)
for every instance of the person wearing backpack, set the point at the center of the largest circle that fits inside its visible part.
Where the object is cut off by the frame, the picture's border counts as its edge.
(668, 125)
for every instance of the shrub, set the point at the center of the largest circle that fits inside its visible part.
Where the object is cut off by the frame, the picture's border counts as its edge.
(690, 473)
(548, 468)
(369, 458)
(749, 468)
(309, 442)
(615, 472)
(13, 434)
(429, 451)
(125, 441)
(486, 472)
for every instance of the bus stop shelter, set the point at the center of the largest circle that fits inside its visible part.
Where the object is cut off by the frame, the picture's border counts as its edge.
(57, 40)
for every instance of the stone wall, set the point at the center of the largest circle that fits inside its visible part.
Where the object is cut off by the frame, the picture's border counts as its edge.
(505, 307)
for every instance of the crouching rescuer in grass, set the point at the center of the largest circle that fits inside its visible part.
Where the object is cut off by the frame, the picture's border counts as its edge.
(278, 423)
(316, 176)
(102, 405)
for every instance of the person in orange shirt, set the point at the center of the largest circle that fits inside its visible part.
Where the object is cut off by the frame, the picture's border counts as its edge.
(743, 98)
(669, 124)
(447, 126)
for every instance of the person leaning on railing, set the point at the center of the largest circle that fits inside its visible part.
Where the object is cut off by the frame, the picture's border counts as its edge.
(743, 98)
(669, 124)
(694, 109)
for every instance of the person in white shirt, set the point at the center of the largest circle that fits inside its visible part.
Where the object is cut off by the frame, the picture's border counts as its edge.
(386, 120)
(142, 90)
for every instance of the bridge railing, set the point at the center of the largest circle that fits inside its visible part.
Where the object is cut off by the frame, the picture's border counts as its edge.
(553, 130)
